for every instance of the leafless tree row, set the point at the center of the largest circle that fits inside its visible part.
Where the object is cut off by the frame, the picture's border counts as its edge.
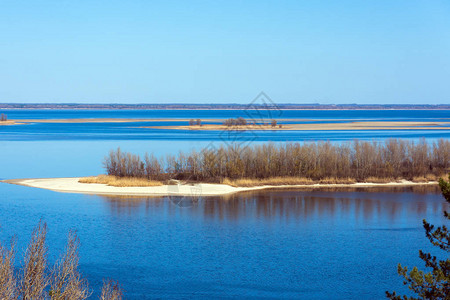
(3, 117)
(193, 122)
(235, 122)
(392, 158)
(36, 281)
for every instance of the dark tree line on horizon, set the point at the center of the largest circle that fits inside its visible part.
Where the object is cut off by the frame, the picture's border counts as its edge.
(393, 158)
(236, 106)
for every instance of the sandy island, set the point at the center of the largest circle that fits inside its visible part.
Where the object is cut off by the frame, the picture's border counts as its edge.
(375, 125)
(10, 122)
(71, 185)
(351, 125)
(91, 120)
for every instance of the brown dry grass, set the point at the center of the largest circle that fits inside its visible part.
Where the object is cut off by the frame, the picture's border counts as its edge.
(419, 179)
(249, 182)
(334, 180)
(120, 181)
(379, 179)
(432, 177)
(428, 178)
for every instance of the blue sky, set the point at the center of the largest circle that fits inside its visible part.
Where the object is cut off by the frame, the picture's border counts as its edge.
(225, 51)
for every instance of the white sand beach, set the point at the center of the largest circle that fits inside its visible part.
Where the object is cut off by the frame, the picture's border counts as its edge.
(71, 185)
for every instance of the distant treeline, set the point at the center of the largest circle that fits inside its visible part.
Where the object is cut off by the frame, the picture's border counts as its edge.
(243, 122)
(315, 160)
(261, 105)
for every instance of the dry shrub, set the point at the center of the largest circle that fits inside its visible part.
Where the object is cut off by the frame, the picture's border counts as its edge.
(334, 180)
(287, 181)
(35, 279)
(8, 282)
(433, 177)
(120, 181)
(249, 182)
(379, 179)
(419, 179)
(111, 290)
(36, 282)
(67, 282)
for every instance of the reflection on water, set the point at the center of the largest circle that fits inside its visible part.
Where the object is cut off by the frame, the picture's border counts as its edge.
(366, 203)
(282, 243)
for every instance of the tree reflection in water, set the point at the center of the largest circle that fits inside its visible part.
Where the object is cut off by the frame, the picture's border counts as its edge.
(357, 204)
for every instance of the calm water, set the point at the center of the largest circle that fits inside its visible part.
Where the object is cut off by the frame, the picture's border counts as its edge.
(131, 130)
(339, 244)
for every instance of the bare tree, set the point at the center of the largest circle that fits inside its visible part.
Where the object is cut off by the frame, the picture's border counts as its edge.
(241, 121)
(66, 282)
(111, 290)
(235, 122)
(192, 122)
(152, 167)
(3, 118)
(317, 160)
(199, 122)
(8, 282)
(273, 123)
(35, 279)
(228, 122)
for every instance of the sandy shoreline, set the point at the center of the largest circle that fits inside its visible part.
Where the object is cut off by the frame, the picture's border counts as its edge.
(71, 185)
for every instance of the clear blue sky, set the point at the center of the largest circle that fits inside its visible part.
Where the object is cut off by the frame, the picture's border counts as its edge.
(376, 51)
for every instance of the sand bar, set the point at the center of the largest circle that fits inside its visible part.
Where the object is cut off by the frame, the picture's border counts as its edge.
(10, 122)
(376, 125)
(98, 120)
(71, 185)
(122, 120)
(350, 125)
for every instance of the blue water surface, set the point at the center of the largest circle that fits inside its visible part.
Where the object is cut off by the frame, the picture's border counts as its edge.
(307, 244)
(134, 130)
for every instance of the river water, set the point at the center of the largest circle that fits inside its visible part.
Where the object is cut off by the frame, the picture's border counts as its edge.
(316, 244)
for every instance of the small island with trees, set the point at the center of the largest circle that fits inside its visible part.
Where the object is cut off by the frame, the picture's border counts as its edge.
(4, 120)
(228, 124)
(291, 163)
(231, 168)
